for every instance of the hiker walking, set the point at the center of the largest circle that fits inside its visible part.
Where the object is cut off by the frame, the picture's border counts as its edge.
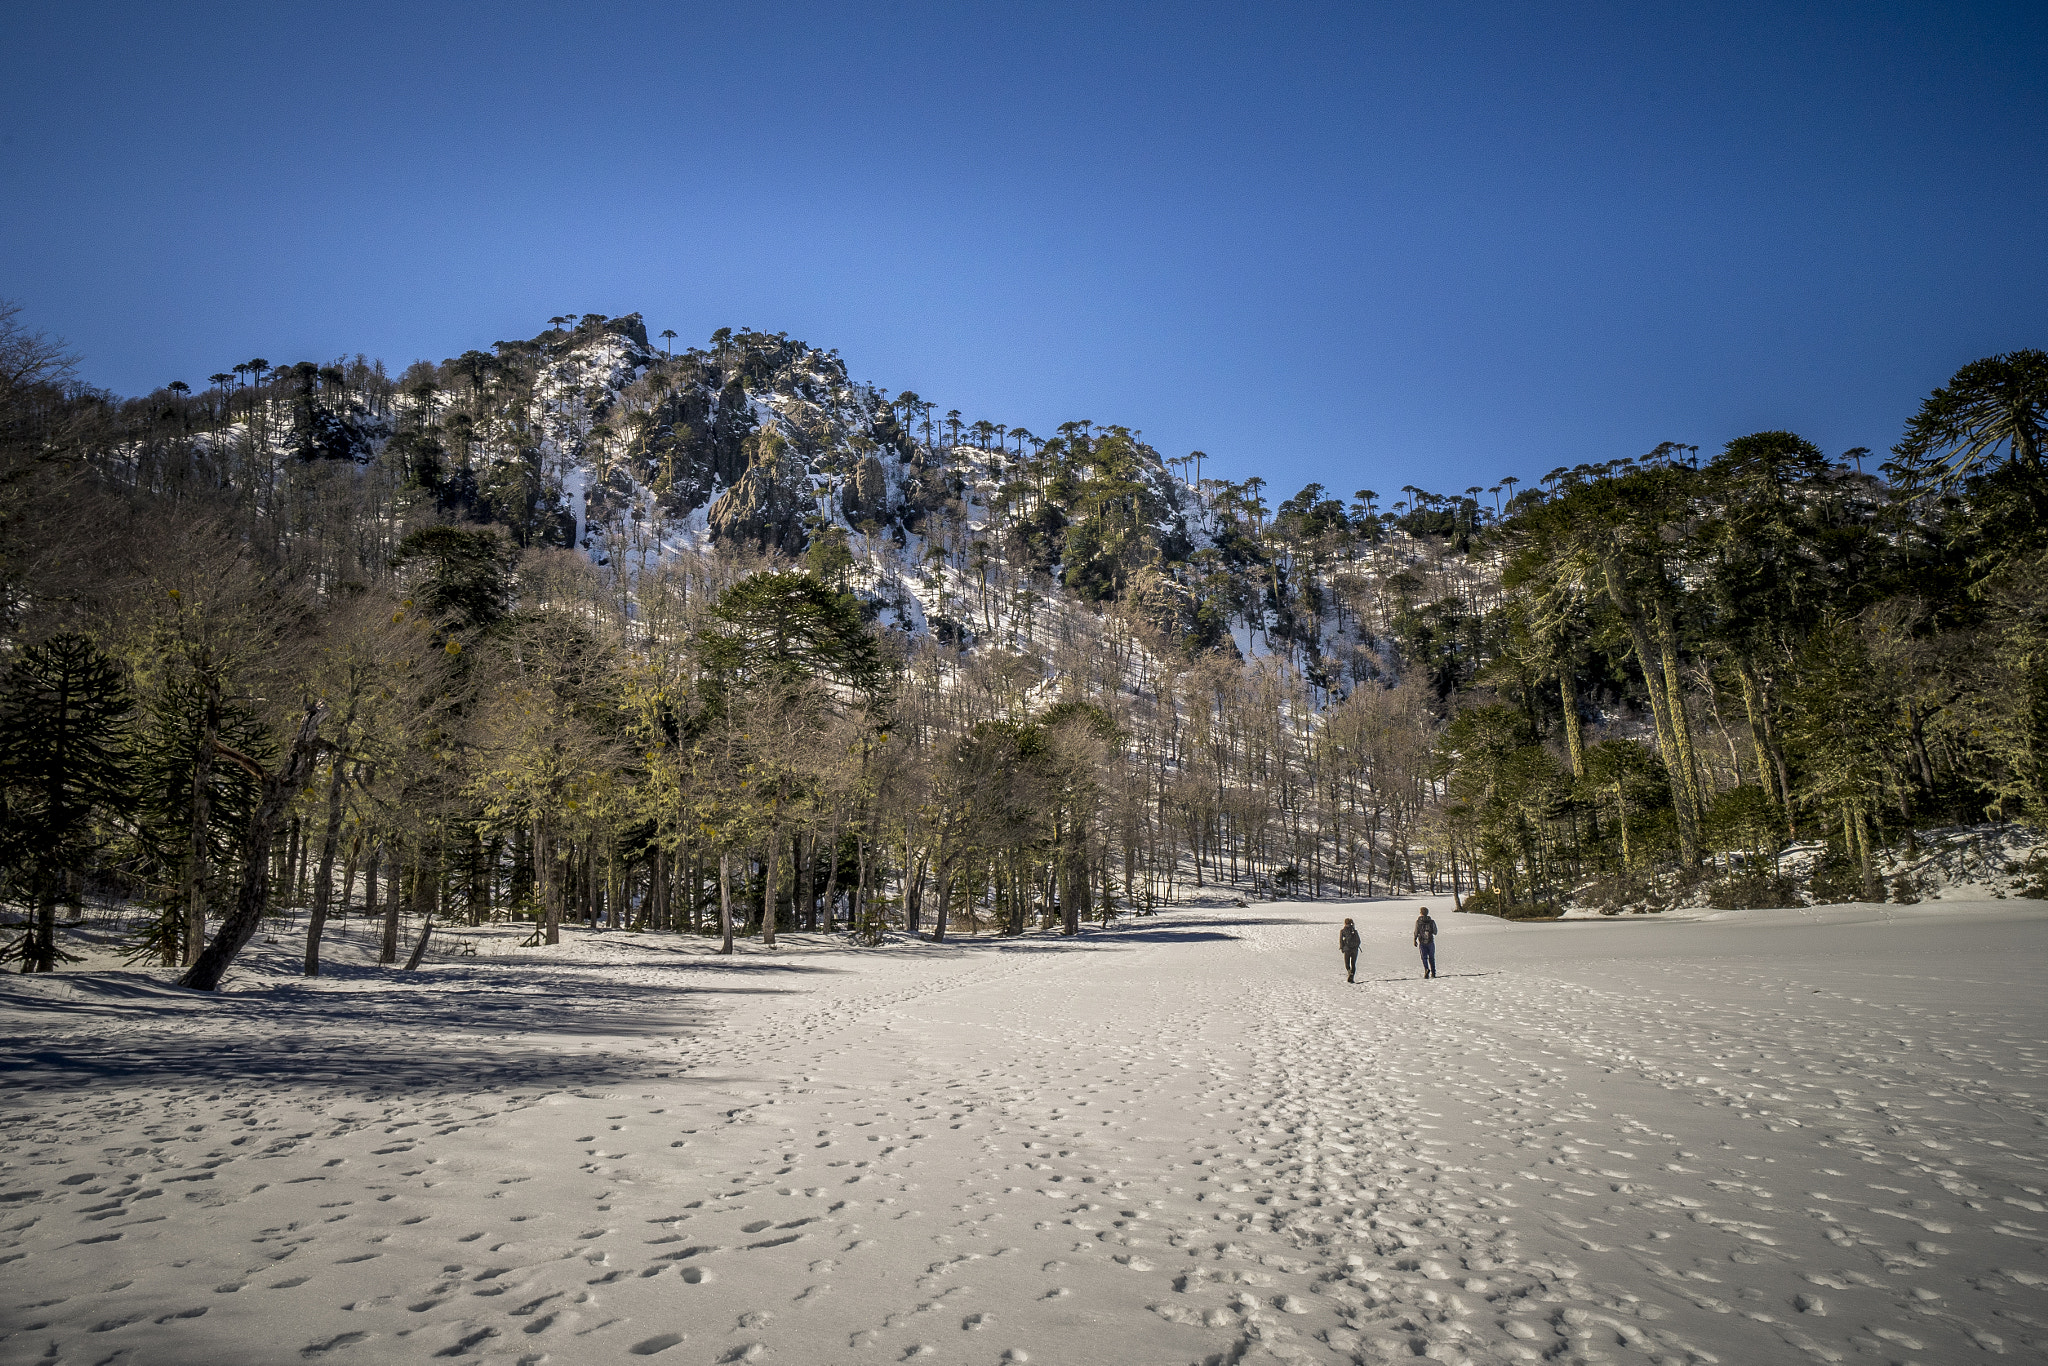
(1425, 939)
(1347, 942)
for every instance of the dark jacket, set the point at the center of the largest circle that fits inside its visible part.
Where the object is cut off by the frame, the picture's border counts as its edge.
(1348, 940)
(1425, 931)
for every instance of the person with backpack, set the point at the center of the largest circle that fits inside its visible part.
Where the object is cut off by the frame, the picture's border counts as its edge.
(1425, 939)
(1347, 943)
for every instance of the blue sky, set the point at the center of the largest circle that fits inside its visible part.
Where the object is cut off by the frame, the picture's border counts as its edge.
(1368, 245)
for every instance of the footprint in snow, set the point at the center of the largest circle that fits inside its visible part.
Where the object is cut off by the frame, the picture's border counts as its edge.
(660, 1342)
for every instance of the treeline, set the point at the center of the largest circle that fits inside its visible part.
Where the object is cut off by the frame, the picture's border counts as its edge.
(243, 672)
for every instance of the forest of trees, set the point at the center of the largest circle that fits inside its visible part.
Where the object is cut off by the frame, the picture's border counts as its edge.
(318, 638)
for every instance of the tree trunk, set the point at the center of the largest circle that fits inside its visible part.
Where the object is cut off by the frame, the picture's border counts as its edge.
(278, 791)
(394, 906)
(1681, 725)
(371, 877)
(473, 879)
(693, 889)
(1072, 891)
(1649, 660)
(1916, 739)
(348, 876)
(618, 910)
(547, 871)
(426, 892)
(323, 880)
(945, 911)
(520, 888)
(803, 887)
(1621, 808)
(831, 883)
(586, 883)
(202, 819)
(725, 901)
(1871, 890)
(1766, 779)
(857, 911)
(1568, 694)
(770, 866)
(288, 871)
(657, 890)
(39, 954)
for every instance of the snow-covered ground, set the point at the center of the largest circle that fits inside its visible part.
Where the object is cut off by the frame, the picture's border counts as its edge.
(1740, 1137)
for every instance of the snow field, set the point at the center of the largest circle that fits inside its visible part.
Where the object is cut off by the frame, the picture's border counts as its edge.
(1738, 1137)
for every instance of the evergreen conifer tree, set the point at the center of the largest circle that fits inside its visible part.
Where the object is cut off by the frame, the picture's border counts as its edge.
(64, 716)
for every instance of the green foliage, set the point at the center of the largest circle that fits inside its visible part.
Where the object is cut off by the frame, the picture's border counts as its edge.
(2009, 695)
(827, 558)
(1444, 640)
(1998, 403)
(1753, 888)
(1111, 509)
(420, 456)
(1835, 879)
(166, 764)
(1775, 554)
(1997, 530)
(1087, 715)
(786, 627)
(1309, 516)
(460, 577)
(1843, 725)
(65, 711)
(513, 494)
(1743, 820)
(1489, 901)
(2035, 870)
(1508, 794)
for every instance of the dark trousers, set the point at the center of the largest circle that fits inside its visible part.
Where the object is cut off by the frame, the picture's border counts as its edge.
(1429, 958)
(1350, 964)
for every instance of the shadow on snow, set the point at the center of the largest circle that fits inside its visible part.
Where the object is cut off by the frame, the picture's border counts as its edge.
(487, 1031)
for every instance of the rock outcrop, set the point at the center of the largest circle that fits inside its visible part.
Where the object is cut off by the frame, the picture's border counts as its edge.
(1170, 608)
(865, 495)
(767, 506)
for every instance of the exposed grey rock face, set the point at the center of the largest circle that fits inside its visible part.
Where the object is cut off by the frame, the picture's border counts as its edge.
(1162, 604)
(1170, 608)
(766, 507)
(866, 492)
(768, 422)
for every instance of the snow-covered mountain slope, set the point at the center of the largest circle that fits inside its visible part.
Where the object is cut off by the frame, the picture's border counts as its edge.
(969, 533)
(767, 442)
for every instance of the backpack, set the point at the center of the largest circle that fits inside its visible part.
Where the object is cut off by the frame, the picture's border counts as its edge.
(1426, 928)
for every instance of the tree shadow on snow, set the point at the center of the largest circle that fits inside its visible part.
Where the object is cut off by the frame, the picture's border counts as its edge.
(415, 1035)
(1153, 930)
